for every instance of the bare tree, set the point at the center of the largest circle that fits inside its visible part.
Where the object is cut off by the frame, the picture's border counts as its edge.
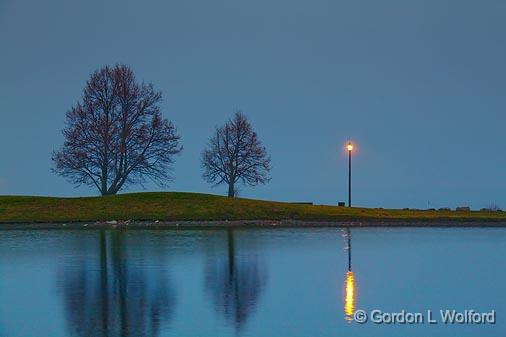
(116, 135)
(235, 154)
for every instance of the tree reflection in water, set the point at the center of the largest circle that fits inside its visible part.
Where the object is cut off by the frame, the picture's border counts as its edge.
(234, 282)
(114, 296)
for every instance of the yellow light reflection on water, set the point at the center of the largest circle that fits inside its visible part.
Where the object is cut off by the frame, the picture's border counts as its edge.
(349, 298)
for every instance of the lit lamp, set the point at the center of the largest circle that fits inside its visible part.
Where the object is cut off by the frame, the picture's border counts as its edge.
(349, 148)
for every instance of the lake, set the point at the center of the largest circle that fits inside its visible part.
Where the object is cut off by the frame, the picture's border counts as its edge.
(256, 282)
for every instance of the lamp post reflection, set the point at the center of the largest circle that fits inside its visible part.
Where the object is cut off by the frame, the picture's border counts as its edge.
(349, 300)
(349, 291)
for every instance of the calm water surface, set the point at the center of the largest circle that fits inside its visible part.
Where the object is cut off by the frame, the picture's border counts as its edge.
(274, 282)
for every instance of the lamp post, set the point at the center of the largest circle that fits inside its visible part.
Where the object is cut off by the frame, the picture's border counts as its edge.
(349, 148)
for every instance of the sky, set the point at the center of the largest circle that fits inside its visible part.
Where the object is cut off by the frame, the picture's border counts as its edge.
(420, 86)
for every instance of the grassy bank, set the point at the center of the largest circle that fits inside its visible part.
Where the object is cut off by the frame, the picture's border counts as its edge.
(203, 207)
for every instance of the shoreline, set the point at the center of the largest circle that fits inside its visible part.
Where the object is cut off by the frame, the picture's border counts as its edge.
(196, 210)
(256, 224)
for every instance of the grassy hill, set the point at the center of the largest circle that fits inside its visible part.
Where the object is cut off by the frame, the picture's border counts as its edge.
(195, 206)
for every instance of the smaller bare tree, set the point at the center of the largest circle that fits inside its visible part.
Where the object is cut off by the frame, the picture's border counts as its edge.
(234, 154)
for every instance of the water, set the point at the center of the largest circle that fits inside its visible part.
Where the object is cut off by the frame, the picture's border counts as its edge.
(273, 282)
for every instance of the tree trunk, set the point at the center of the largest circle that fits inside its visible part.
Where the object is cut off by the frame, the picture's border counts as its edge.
(231, 191)
(108, 192)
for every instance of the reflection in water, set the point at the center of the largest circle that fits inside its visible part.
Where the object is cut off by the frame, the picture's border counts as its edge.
(113, 296)
(234, 283)
(349, 300)
(349, 295)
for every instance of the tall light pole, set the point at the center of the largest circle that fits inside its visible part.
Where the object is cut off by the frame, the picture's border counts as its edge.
(349, 148)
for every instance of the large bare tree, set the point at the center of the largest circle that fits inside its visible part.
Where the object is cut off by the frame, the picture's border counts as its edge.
(116, 135)
(234, 154)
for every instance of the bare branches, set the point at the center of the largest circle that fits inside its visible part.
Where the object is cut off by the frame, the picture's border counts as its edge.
(234, 154)
(116, 135)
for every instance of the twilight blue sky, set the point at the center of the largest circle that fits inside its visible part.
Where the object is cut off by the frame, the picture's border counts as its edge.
(420, 85)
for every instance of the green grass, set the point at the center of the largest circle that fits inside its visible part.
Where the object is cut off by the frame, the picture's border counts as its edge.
(195, 206)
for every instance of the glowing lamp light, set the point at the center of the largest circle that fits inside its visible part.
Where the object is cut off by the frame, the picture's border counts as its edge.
(349, 146)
